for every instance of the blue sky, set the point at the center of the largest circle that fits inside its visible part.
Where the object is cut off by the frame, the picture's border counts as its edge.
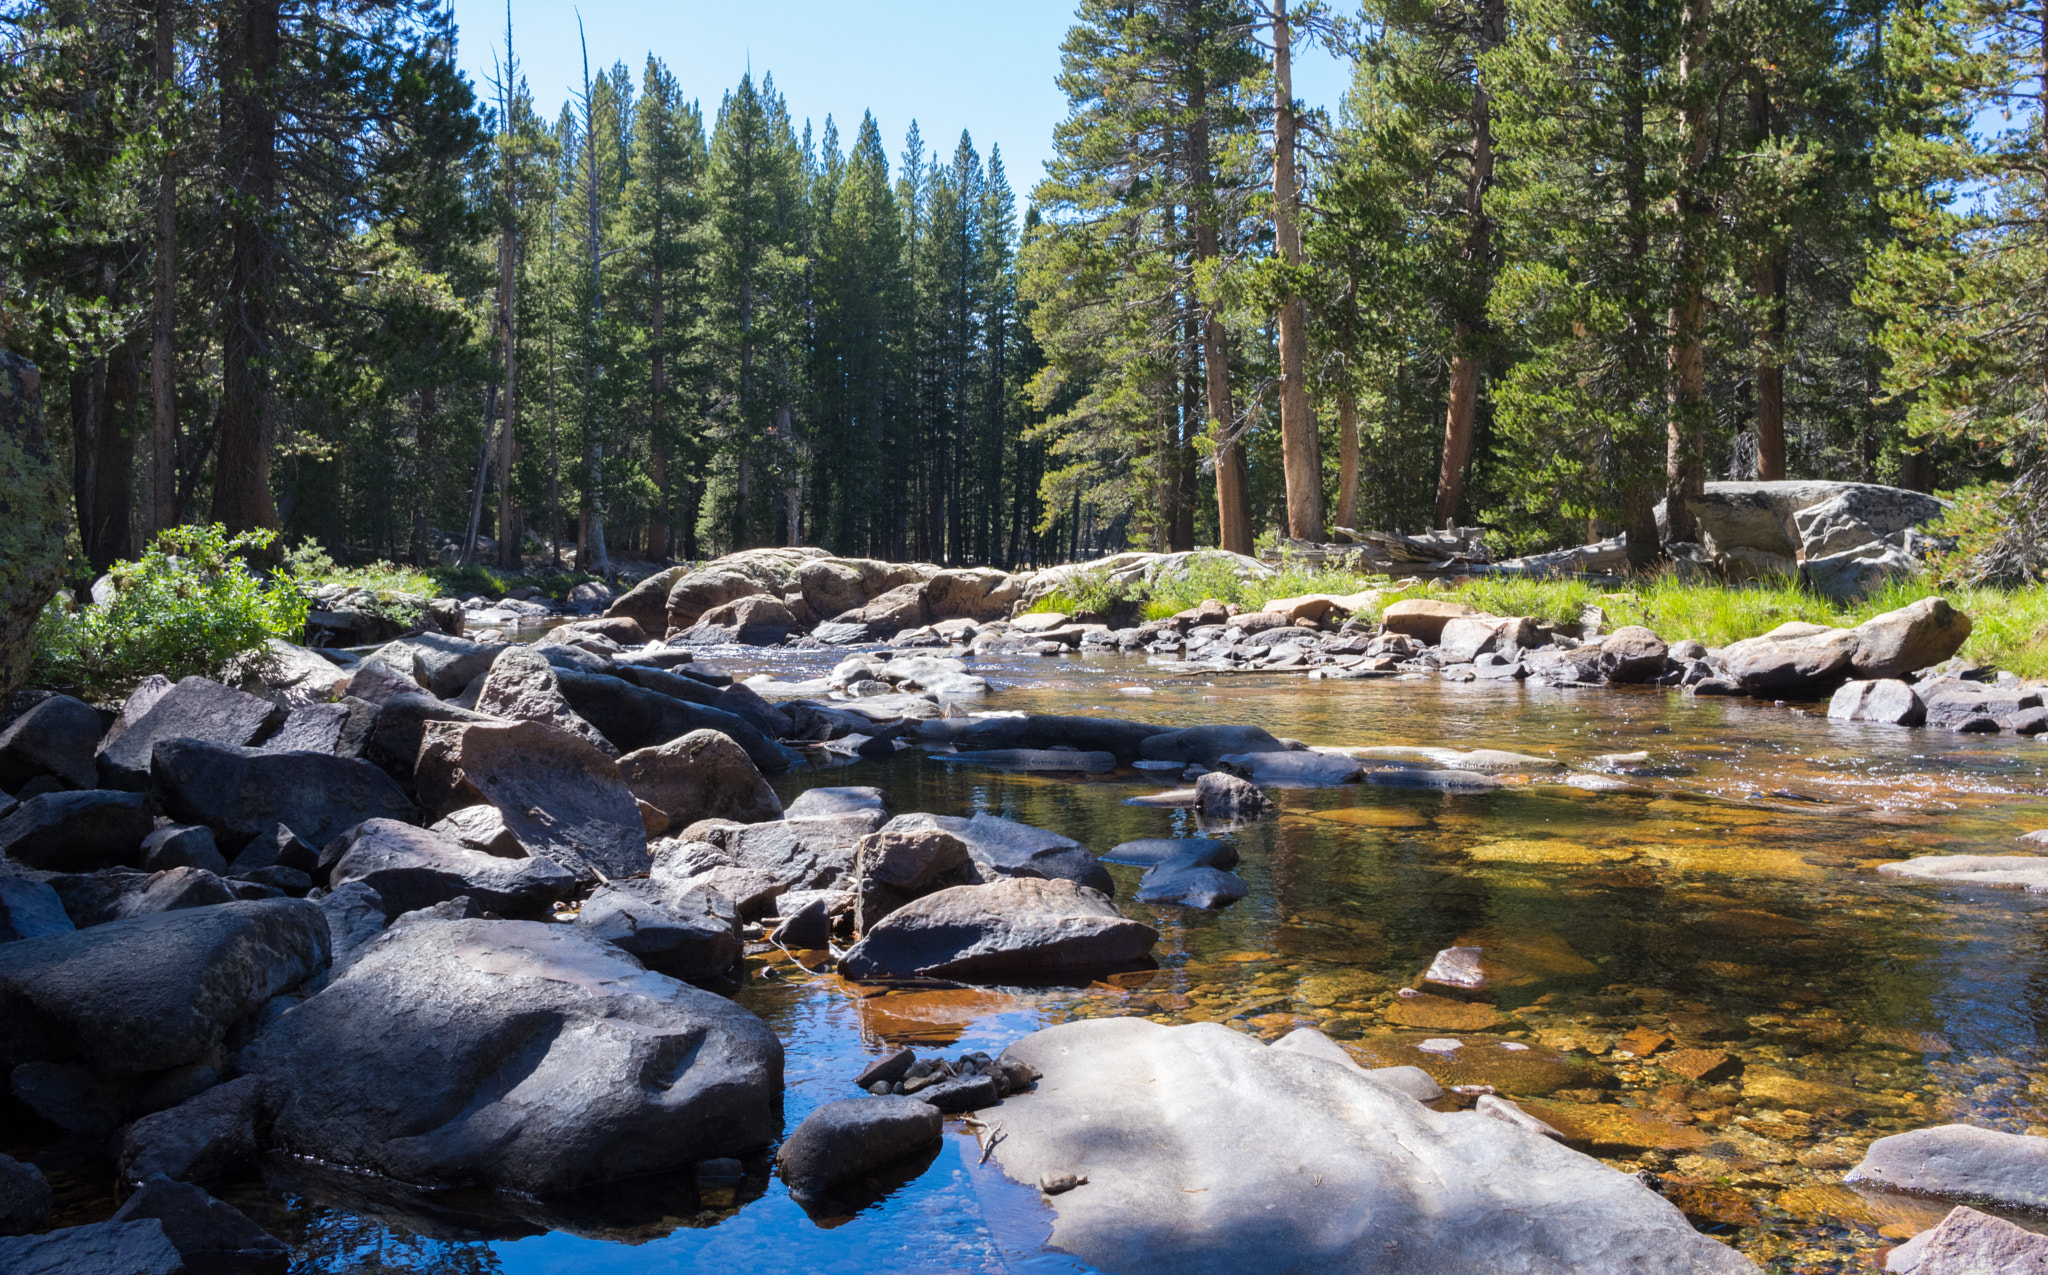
(984, 66)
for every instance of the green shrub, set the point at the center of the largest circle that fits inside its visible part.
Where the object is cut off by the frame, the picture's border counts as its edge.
(310, 564)
(189, 605)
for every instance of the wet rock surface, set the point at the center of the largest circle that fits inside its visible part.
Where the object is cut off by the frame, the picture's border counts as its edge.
(1018, 926)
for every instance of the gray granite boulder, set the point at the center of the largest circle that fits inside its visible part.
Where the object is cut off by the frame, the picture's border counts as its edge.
(687, 932)
(1886, 700)
(1955, 1159)
(522, 686)
(1632, 653)
(183, 846)
(516, 1055)
(442, 663)
(245, 793)
(798, 854)
(1796, 657)
(700, 775)
(1190, 884)
(57, 738)
(1911, 638)
(559, 795)
(853, 1136)
(77, 831)
(1226, 798)
(1971, 1243)
(1005, 848)
(412, 868)
(136, 997)
(1015, 927)
(1206, 1151)
(835, 801)
(99, 1248)
(197, 708)
(634, 718)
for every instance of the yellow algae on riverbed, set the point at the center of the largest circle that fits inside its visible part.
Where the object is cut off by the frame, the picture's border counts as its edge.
(1546, 850)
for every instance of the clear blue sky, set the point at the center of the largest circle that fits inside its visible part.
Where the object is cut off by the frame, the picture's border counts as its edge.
(983, 65)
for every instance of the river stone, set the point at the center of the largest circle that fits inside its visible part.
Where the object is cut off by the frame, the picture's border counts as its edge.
(25, 1197)
(1190, 884)
(800, 854)
(1792, 657)
(77, 831)
(1196, 851)
(1005, 848)
(1912, 637)
(442, 663)
(1632, 654)
(1422, 618)
(29, 908)
(99, 1248)
(520, 1056)
(1228, 799)
(1085, 734)
(635, 718)
(1971, 1243)
(400, 725)
(702, 775)
(1011, 927)
(1181, 1184)
(852, 1136)
(2025, 871)
(135, 997)
(342, 729)
(1292, 769)
(522, 686)
(194, 709)
(1955, 1159)
(1886, 700)
(687, 932)
(208, 1234)
(559, 795)
(1208, 744)
(56, 738)
(412, 868)
(835, 801)
(480, 828)
(244, 793)
(1466, 638)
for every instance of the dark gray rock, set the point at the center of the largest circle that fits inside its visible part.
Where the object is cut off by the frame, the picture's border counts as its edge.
(1958, 1160)
(1005, 848)
(401, 723)
(208, 1234)
(316, 728)
(135, 997)
(853, 1136)
(1192, 851)
(835, 801)
(183, 846)
(740, 700)
(203, 1138)
(962, 1093)
(559, 796)
(29, 908)
(278, 877)
(481, 828)
(905, 861)
(96, 898)
(1360, 1177)
(279, 847)
(412, 868)
(516, 1055)
(1086, 734)
(77, 831)
(1011, 927)
(1632, 654)
(1207, 744)
(244, 793)
(806, 924)
(523, 687)
(72, 1097)
(355, 915)
(687, 932)
(1292, 769)
(1229, 799)
(101, 1248)
(24, 1197)
(633, 718)
(195, 709)
(441, 663)
(701, 775)
(646, 603)
(56, 738)
(1190, 884)
(672, 684)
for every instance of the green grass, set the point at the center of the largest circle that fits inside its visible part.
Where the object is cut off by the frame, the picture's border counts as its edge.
(310, 565)
(2010, 626)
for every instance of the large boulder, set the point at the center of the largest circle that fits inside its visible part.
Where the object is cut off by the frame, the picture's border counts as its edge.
(1958, 1160)
(1762, 522)
(646, 603)
(690, 932)
(1796, 657)
(693, 594)
(635, 718)
(975, 593)
(195, 709)
(1972, 1243)
(1020, 926)
(901, 863)
(889, 613)
(516, 1055)
(412, 868)
(1422, 618)
(95, 898)
(1632, 653)
(1853, 515)
(758, 619)
(400, 725)
(32, 517)
(1887, 700)
(523, 687)
(1204, 1150)
(442, 663)
(97, 1248)
(1003, 847)
(559, 796)
(55, 738)
(845, 1139)
(77, 831)
(244, 793)
(1909, 639)
(798, 854)
(204, 1137)
(701, 775)
(1467, 637)
(136, 997)
(1855, 574)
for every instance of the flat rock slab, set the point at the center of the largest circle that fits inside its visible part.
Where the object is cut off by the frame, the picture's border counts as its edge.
(517, 1055)
(1206, 1151)
(2020, 871)
(1191, 885)
(1194, 851)
(1955, 1159)
(1015, 927)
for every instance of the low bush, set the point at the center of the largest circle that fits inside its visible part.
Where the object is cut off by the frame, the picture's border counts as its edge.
(189, 605)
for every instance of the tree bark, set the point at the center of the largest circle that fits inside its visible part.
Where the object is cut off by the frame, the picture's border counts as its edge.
(1299, 447)
(1685, 362)
(1347, 450)
(1487, 34)
(657, 393)
(114, 465)
(1233, 485)
(163, 385)
(241, 484)
(1450, 480)
(508, 443)
(1770, 289)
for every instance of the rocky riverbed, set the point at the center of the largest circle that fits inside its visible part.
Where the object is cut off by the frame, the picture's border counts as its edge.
(442, 944)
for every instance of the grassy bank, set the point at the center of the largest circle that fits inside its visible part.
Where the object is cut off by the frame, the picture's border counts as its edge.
(2010, 625)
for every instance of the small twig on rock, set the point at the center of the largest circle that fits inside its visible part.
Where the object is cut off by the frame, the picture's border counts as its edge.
(995, 1135)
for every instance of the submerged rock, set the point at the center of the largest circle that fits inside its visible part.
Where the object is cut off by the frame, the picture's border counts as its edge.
(1191, 884)
(1020, 926)
(1955, 1159)
(2023, 871)
(516, 1055)
(1363, 1178)
(1293, 770)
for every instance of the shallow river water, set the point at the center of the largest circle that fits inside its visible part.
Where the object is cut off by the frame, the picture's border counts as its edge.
(1727, 904)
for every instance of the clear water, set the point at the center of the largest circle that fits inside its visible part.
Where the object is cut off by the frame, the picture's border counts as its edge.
(1729, 904)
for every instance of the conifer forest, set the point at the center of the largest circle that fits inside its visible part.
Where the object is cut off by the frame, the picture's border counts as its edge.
(283, 266)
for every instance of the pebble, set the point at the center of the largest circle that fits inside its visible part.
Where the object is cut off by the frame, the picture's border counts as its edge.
(1058, 1183)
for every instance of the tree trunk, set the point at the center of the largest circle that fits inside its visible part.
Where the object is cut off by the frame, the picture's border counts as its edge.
(114, 466)
(241, 484)
(1233, 486)
(87, 386)
(163, 385)
(657, 394)
(1478, 257)
(1450, 480)
(1347, 449)
(1299, 449)
(1770, 289)
(1685, 363)
(508, 443)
